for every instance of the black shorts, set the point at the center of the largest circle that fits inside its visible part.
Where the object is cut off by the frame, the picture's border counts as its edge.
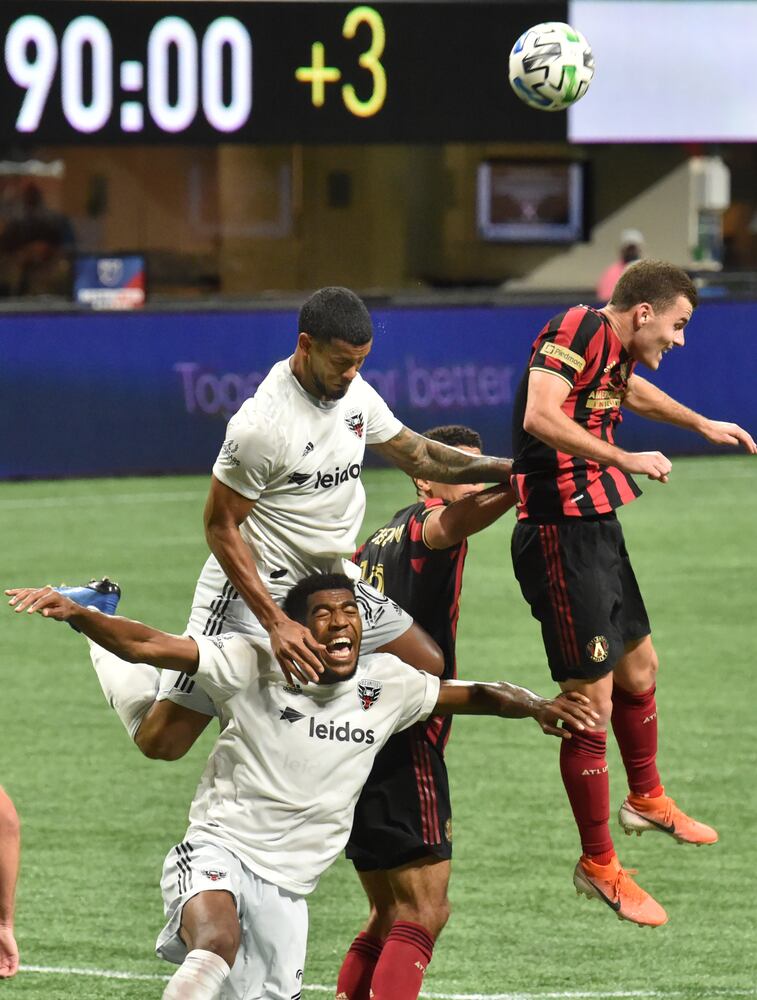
(577, 577)
(403, 812)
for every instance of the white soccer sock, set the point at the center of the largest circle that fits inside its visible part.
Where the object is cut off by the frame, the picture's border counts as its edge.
(129, 688)
(200, 977)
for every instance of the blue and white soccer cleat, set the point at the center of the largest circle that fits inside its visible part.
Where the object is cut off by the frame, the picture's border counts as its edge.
(103, 595)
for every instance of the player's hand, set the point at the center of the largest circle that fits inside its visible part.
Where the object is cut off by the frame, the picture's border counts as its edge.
(8, 953)
(570, 707)
(721, 432)
(295, 648)
(651, 464)
(44, 600)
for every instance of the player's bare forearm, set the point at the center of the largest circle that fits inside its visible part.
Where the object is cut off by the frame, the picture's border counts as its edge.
(512, 702)
(556, 429)
(465, 517)
(10, 851)
(129, 640)
(235, 559)
(293, 645)
(225, 510)
(649, 401)
(422, 458)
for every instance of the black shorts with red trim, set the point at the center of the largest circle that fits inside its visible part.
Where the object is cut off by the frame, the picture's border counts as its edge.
(577, 577)
(404, 810)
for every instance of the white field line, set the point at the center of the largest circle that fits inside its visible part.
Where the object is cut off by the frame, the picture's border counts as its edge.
(724, 992)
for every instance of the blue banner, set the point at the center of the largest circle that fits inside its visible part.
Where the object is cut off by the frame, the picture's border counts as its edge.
(149, 393)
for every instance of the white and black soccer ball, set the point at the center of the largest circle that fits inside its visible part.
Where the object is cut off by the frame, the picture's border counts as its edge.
(551, 66)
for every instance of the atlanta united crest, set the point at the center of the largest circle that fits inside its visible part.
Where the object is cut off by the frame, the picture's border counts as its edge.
(368, 692)
(598, 648)
(355, 422)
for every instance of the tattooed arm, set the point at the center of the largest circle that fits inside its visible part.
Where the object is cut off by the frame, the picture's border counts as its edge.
(422, 458)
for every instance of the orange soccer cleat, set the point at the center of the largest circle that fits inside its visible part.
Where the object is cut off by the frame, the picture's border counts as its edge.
(638, 814)
(614, 886)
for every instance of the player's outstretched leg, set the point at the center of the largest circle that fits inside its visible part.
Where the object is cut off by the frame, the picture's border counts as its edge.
(583, 766)
(129, 688)
(634, 721)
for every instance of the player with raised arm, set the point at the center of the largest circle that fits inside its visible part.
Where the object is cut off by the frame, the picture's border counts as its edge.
(286, 500)
(274, 806)
(401, 840)
(10, 852)
(571, 561)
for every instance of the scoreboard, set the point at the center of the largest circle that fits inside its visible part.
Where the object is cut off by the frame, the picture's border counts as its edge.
(134, 72)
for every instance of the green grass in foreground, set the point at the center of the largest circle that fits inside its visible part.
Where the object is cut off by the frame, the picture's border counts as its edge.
(98, 818)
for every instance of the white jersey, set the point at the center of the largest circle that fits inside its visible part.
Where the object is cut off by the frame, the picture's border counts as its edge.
(281, 784)
(300, 460)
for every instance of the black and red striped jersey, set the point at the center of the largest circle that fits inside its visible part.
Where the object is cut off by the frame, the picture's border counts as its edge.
(580, 347)
(425, 582)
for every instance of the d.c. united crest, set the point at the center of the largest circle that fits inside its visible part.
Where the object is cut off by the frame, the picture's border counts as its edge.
(355, 422)
(368, 692)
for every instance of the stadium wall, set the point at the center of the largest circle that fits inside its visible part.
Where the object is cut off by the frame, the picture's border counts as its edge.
(149, 393)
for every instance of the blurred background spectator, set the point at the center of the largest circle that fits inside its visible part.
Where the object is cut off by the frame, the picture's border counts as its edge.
(631, 249)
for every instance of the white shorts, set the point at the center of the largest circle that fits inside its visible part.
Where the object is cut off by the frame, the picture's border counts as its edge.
(274, 922)
(383, 621)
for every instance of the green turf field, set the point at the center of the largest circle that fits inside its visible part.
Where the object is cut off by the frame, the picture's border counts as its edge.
(98, 818)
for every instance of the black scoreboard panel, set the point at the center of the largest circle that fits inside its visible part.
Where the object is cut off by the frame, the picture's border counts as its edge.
(131, 72)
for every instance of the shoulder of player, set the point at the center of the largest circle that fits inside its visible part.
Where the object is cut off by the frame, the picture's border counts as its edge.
(237, 643)
(383, 666)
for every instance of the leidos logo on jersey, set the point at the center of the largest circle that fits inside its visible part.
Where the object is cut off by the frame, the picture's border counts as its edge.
(325, 480)
(340, 734)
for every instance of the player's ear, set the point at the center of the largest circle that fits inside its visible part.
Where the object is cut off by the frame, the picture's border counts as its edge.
(642, 313)
(304, 343)
(422, 487)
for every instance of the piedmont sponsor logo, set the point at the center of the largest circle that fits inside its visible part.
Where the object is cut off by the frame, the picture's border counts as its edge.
(324, 481)
(340, 734)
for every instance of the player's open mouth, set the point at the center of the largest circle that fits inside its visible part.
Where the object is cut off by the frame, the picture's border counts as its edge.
(340, 649)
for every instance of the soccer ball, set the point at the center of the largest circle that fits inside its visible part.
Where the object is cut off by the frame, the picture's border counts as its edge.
(551, 66)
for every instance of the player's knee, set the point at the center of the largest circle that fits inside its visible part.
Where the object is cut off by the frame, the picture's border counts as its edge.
(441, 915)
(654, 665)
(381, 919)
(429, 913)
(221, 940)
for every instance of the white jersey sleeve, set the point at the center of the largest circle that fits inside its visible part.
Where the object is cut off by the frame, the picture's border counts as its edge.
(420, 695)
(250, 454)
(229, 663)
(381, 424)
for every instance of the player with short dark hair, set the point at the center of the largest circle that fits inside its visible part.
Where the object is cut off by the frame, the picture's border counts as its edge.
(286, 500)
(274, 806)
(401, 840)
(336, 313)
(570, 557)
(10, 851)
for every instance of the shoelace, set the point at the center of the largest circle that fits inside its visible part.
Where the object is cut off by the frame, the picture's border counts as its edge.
(667, 815)
(624, 875)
